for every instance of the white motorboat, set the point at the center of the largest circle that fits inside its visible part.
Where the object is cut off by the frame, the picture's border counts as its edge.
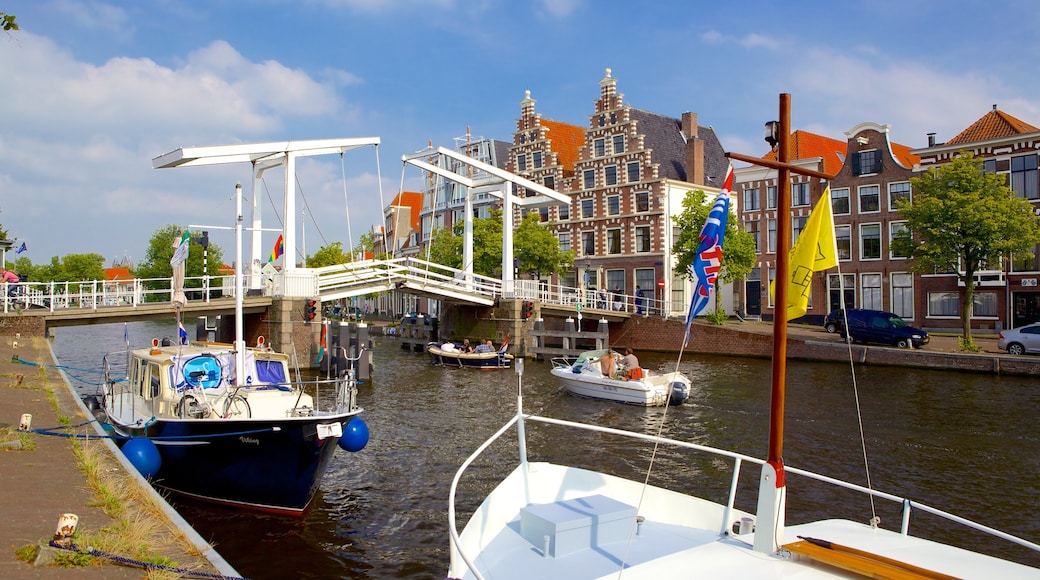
(558, 521)
(598, 374)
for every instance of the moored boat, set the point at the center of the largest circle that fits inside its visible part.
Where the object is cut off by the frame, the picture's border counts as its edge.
(598, 374)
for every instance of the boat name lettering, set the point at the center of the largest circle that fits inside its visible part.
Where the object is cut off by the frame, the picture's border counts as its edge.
(252, 440)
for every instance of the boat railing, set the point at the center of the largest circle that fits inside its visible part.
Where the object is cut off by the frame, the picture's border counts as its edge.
(738, 459)
(562, 362)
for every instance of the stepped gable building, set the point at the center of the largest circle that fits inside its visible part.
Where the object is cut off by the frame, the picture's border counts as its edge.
(1007, 295)
(627, 175)
(755, 188)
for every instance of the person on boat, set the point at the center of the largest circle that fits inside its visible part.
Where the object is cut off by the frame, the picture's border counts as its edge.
(485, 347)
(465, 345)
(449, 347)
(631, 364)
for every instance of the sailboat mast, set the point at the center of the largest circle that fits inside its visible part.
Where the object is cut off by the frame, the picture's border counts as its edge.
(783, 238)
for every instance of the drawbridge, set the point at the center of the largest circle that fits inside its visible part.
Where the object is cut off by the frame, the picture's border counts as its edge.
(410, 275)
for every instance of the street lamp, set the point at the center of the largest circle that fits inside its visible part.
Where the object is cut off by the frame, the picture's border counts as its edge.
(772, 135)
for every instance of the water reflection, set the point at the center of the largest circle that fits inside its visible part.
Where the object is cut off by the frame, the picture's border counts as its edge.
(963, 443)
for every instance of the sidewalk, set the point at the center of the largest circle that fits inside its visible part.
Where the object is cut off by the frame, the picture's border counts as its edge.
(42, 483)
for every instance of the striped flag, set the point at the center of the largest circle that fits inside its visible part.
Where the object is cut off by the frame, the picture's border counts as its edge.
(278, 250)
(322, 341)
(708, 261)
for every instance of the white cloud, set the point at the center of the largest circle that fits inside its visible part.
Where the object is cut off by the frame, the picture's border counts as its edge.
(96, 17)
(561, 8)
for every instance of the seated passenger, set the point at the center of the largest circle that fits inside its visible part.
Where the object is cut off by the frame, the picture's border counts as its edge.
(485, 347)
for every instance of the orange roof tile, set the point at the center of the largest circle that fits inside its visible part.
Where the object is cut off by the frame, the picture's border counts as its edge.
(565, 140)
(806, 145)
(903, 155)
(993, 125)
(118, 273)
(413, 200)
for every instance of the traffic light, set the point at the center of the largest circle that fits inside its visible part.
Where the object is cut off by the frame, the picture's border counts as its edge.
(528, 310)
(311, 310)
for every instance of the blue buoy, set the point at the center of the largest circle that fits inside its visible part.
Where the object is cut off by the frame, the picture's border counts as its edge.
(355, 435)
(143, 455)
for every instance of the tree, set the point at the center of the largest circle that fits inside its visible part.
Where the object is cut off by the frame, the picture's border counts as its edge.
(538, 250)
(329, 255)
(7, 22)
(71, 268)
(738, 249)
(963, 219)
(160, 250)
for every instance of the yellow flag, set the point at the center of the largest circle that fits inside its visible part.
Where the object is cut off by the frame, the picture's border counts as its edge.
(815, 250)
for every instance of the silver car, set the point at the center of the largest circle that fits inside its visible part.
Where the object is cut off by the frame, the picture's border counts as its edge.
(1020, 340)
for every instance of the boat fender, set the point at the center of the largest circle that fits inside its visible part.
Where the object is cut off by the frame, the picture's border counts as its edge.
(355, 435)
(143, 455)
(94, 406)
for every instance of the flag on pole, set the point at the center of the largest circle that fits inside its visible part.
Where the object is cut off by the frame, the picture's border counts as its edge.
(21, 249)
(816, 249)
(708, 261)
(505, 345)
(181, 253)
(322, 344)
(182, 334)
(278, 250)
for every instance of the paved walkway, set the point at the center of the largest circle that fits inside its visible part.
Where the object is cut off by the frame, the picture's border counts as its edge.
(42, 483)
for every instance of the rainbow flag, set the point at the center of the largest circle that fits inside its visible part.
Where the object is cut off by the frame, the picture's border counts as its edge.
(279, 249)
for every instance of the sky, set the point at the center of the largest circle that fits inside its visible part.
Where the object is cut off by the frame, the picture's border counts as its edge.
(92, 91)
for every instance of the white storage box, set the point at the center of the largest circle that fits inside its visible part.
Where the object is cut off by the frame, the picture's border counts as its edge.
(576, 524)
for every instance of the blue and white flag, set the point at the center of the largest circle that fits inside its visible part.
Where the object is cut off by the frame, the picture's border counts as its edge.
(708, 261)
(21, 249)
(181, 333)
(181, 253)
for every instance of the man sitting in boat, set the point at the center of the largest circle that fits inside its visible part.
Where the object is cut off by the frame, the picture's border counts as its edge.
(609, 363)
(631, 363)
(485, 347)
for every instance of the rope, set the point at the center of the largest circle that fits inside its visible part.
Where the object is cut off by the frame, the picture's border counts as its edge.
(52, 431)
(16, 359)
(139, 563)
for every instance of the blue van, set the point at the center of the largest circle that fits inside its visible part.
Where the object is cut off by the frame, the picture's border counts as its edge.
(879, 327)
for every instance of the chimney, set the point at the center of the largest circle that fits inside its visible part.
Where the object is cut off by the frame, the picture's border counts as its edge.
(689, 125)
(931, 139)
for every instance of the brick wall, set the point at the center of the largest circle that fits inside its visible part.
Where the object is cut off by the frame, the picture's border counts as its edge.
(11, 325)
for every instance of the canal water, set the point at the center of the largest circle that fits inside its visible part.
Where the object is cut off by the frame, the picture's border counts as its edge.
(964, 443)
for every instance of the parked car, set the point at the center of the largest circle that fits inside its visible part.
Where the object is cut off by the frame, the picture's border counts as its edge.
(833, 321)
(1020, 340)
(881, 327)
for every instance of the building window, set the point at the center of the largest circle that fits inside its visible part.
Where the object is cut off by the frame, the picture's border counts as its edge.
(800, 194)
(633, 172)
(537, 158)
(896, 192)
(565, 241)
(587, 208)
(751, 227)
(619, 144)
(600, 147)
(565, 212)
(944, 304)
(843, 237)
(611, 174)
(870, 242)
(642, 238)
(616, 281)
(989, 165)
(549, 181)
(645, 281)
(984, 304)
(543, 213)
(1026, 263)
(770, 236)
(521, 162)
(840, 201)
(588, 243)
(866, 162)
(870, 288)
(771, 197)
(896, 230)
(869, 199)
(642, 201)
(903, 294)
(838, 285)
(1024, 177)
(614, 241)
(797, 225)
(589, 176)
(751, 199)
(613, 204)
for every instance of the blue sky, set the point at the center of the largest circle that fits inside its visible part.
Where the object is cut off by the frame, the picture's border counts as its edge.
(94, 90)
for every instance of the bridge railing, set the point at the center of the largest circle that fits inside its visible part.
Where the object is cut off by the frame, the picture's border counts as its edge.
(93, 294)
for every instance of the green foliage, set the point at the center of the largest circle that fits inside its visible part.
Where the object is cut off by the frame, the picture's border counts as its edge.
(963, 219)
(8, 24)
(538, 250)
(738, 250)
(27, 553)
(329, 255)
(967, 344)
(717, 316)
(160, 250)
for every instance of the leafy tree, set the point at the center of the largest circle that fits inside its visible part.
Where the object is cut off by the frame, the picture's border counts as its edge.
(157, 260)
(446, 248)
(538, 250)
(71, 268)
(738, 248)
(7, 22)
(329, 255)
(963, 219)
